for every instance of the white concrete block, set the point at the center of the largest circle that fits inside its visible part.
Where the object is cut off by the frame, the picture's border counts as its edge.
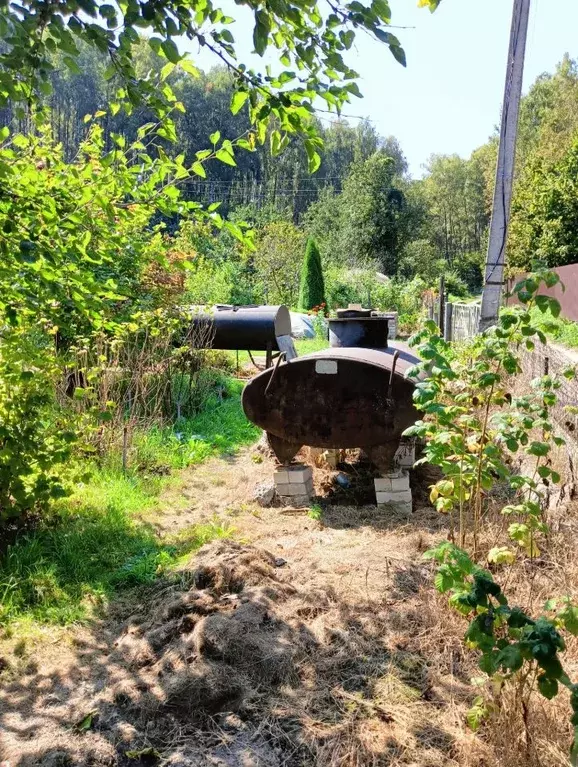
(400, 496)
(394, 482)
(295, 488)
(281, 477)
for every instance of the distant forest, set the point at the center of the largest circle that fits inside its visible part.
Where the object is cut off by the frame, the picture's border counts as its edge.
(361, 204)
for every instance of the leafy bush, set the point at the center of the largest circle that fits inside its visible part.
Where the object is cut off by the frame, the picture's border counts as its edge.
(35, 435)
(312, 287)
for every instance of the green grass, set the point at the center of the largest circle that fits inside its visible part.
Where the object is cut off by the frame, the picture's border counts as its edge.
(302, 345)
(566, 331)
(87, 551)
(220, 428)
(95, 542)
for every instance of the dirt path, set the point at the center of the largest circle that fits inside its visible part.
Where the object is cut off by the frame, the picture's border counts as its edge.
(304, 643)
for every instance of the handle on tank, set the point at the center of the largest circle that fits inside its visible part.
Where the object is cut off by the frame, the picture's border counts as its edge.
(393, 364)
(281, 355)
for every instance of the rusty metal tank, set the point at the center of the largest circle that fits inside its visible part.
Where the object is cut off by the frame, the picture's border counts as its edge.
(336, 398)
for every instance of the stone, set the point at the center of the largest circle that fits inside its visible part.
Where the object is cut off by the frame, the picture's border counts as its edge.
(264, 493)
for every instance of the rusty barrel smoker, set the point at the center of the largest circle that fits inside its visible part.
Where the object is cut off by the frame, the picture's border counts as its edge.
(343, 397)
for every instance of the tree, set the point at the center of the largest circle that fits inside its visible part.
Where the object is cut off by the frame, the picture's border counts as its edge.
(310, 48)
(312, 287)
(545, 213)
(277, 259)
(374, 216)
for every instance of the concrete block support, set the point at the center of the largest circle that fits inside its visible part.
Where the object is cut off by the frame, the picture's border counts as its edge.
(393, 490)
(294, 483)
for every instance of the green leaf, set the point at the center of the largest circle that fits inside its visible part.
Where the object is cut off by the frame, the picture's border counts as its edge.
(214, 137)
(501, 555)
(239, 98)
(198, 169)
(171, 51)
(188, 67)
(539, 449)
(86, 722)
(398, 54)
(261, 31)
(225, 157)
(548, 687)
(510, 658)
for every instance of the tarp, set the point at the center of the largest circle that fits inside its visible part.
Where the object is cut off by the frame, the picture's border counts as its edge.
(302, 325)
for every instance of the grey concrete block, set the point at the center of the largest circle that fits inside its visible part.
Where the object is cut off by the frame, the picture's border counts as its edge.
(395, 482)
(299, 473)
(295, 488)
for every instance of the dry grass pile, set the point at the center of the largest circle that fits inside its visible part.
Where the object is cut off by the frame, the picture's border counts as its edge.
(237, 666)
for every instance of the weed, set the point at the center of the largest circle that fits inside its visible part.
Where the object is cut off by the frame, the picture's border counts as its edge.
(315, 512)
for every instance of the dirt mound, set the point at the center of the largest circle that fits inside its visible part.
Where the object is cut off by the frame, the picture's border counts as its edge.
(234, 665)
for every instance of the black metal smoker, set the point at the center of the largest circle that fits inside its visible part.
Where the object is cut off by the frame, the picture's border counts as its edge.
(342, 397)
(253, 328)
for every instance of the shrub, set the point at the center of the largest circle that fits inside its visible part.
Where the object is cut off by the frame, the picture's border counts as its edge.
(312, 289)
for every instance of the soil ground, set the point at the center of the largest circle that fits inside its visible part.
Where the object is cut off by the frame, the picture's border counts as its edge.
(298, 642)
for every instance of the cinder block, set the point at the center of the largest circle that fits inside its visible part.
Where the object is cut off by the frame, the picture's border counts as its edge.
(401, 508)
(295, 488)
(299, 473)
(400, 496)
(281, 477)
(392, 483)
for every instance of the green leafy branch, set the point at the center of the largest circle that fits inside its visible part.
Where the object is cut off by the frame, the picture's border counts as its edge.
(514, 647)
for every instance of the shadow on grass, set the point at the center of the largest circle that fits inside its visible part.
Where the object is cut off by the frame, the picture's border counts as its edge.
(95, 542)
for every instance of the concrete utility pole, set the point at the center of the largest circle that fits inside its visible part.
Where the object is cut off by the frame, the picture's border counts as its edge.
(494, 275)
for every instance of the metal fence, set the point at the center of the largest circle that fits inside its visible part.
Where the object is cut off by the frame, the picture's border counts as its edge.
(462, 321)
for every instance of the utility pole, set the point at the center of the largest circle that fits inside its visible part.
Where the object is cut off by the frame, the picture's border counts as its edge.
(494, 274)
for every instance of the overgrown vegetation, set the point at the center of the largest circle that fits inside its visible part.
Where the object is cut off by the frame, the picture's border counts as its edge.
(480, 433)
(98, 541)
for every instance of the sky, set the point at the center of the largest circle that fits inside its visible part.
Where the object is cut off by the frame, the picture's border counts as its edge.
(449, 97)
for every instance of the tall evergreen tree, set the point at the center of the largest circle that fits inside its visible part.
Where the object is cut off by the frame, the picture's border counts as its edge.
(312, 287)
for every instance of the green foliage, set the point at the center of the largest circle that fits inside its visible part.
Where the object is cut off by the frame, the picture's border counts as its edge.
(375, 214)
(35, 437)
(513, 646)
(277, 262)
(218, 429)
(545, 212)
(473, 425)
(312, 68)
(95, 543)
(312, 286)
